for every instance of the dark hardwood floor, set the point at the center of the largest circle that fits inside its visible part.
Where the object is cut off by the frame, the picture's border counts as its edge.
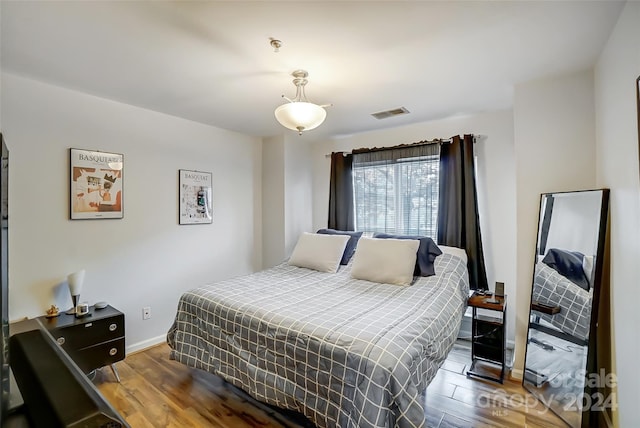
(158, 392)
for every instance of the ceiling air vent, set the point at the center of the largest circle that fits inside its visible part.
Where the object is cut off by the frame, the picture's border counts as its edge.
(390, 113)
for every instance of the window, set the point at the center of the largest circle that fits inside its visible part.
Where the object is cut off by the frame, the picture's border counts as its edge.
(396, 191)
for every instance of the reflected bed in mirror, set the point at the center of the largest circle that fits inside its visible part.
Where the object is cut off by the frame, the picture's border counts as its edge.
(564, 299)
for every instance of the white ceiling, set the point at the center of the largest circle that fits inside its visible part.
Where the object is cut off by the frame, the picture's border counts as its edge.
(211, 62)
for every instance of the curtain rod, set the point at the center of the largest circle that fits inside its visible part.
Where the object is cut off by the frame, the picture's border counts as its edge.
(476, 138)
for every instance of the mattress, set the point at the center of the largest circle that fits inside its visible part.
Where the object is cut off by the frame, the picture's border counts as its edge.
(344, 352)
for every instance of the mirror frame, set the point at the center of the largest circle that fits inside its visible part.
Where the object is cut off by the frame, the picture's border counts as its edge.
(588, 418)
(638, 109)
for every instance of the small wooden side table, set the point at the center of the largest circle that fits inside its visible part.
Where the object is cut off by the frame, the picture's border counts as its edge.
(488, 334)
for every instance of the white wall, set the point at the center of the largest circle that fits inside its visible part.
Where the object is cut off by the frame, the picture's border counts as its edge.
(273, 197)
(617, 165)
(145, 259)
(496, 181)
(286, 190)
(570, 227)
(554, 151)
(298, 184)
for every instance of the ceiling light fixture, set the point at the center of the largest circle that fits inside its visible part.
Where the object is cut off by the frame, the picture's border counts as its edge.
(299, 114)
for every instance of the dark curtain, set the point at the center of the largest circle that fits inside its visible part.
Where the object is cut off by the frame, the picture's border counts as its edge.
(458, 220)
(341, 192)
(546, 224)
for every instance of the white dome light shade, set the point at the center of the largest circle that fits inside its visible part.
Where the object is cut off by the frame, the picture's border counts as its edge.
(300, 116)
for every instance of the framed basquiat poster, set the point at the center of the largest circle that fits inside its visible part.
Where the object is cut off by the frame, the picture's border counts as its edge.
(195, 197)
(96, 183)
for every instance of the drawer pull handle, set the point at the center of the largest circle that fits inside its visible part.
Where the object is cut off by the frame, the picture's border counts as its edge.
(113, 327)
(61, 341)
(113, 351)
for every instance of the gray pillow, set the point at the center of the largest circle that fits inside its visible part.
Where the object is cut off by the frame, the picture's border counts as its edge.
(351, 244)
(567, 264)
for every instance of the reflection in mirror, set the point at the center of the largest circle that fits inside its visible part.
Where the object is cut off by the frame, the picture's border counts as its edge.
(566, 283)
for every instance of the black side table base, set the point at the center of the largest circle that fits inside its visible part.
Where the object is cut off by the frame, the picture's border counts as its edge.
(473, 372)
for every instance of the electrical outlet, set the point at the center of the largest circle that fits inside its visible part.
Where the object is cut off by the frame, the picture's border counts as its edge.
(146, 312)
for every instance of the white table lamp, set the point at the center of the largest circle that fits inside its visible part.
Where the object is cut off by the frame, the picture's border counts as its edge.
(75, 281)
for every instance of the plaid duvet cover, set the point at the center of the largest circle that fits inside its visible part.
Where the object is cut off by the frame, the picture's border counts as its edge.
(344, 352)
(574, 317)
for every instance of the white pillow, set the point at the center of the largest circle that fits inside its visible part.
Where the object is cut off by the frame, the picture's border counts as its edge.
(319, 252)
(454, 251)
(389, 261)
(587, 267)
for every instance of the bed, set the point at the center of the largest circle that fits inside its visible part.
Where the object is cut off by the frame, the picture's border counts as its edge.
(344, 352)
(574, 317)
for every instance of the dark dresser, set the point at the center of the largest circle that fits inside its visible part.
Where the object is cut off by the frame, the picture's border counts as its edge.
(93, 341)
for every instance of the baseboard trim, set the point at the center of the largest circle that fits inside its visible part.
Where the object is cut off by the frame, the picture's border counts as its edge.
(141, 346)
(517, 374)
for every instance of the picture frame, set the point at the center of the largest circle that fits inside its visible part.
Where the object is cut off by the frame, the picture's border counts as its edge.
(96, 183)
(499, 291)
(195, 197)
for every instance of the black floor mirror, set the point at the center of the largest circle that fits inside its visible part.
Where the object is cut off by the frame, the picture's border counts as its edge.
(561, 339)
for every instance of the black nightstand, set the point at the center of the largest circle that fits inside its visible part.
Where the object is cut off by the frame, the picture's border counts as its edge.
(488, 335)
(93, 341)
